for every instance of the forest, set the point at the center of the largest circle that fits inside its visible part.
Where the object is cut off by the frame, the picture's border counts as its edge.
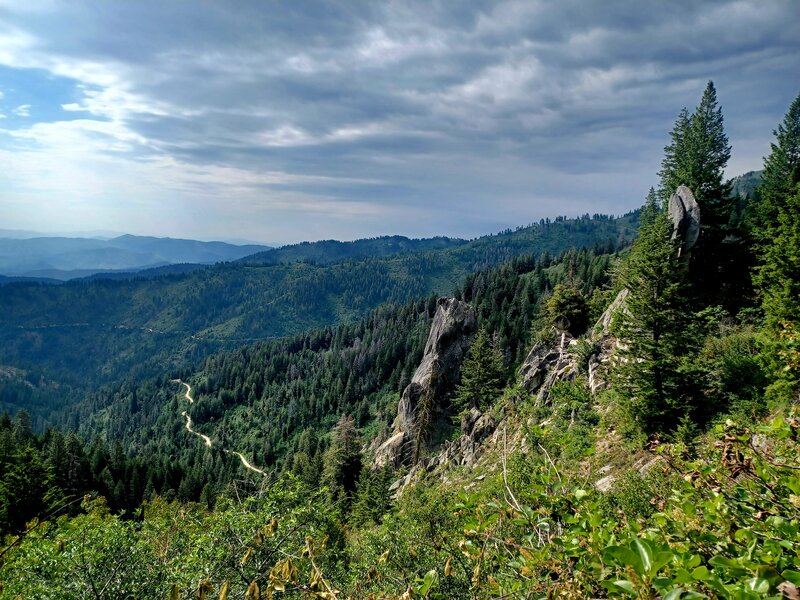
(657, 458)
(89, 333)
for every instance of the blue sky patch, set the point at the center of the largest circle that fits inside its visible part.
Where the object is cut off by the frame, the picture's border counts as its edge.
(36, 96)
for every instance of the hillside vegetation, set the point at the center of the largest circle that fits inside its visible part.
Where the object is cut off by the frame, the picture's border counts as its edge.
(625, 423)
(91, 332)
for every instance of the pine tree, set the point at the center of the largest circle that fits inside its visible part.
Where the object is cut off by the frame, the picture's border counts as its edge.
(27, 490)
(697, 157)
(567, 307)
(652, 326)
(674, 166)
(776, 228)
(482, 374)
(781, 176)
(342, 463)
(778, 282)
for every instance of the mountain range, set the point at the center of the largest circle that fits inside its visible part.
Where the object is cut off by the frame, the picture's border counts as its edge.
(64, 258)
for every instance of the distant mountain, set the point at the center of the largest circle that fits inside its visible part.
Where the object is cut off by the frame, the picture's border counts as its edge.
(66, 258)
(100, 329)
(4, 280)
(329, 251)
(152, 273)
(744, 185)
(22, 234)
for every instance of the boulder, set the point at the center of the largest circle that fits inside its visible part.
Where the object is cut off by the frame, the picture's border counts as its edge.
(605, 484)
(453, 327)
(536, 365)
(684, 211)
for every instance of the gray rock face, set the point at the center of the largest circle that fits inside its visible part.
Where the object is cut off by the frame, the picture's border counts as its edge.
(454, 325)
(549, 361)
(605, 342)
(476, 427)
(685, 214)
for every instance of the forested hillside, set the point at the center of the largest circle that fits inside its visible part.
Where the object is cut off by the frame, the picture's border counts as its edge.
(100, 331)
(619, 420)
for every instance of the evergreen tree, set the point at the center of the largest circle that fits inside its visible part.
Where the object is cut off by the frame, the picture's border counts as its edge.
(778, 282)
(482, 374)
(342, 463)
(27, 490)
(781, 176)
(567, 308)
(675, 168)
(697, 156)
(652, 326)
(372, 496)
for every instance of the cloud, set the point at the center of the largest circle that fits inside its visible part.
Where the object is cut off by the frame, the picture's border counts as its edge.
(23, 110)
(417, 117)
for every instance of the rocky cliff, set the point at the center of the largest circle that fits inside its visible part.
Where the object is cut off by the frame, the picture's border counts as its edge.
(452, 330)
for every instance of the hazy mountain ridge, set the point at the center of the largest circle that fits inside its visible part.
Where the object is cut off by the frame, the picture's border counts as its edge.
(329, 251)
(66, 258)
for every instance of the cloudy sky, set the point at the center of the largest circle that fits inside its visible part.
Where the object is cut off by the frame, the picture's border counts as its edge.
(281, 121)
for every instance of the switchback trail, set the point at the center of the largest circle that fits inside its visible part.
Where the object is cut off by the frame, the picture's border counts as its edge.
(207, 440)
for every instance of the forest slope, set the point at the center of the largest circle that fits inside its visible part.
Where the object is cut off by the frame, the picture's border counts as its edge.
(95, 331)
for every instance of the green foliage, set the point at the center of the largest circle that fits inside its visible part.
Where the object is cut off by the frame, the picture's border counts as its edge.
(734, 379)
(780, 178)
(273, 542)
(778, 281)
(725, 524)
(567, 309)
(482, 374)
(418, 537)
(571, 434)
(653, 325)
(85, 334)
(635, 497)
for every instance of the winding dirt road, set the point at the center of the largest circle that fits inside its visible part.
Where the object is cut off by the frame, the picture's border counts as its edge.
(205, 438)
(246, 463)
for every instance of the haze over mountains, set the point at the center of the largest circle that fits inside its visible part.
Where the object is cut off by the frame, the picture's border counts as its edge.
(63, 258)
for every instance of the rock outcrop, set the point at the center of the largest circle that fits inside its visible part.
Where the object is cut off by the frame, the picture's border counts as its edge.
(476, 427)
(549, 361)
(453, 327)
(605, 342)
(685, 214)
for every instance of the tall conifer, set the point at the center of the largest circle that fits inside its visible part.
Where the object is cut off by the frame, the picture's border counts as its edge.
(697, 156)
(781, 176)
(652, 325)
(481, 374)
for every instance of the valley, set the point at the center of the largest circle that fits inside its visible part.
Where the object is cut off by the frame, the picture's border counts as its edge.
(427, 386)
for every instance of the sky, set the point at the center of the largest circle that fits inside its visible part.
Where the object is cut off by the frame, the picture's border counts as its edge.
(282, 121)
